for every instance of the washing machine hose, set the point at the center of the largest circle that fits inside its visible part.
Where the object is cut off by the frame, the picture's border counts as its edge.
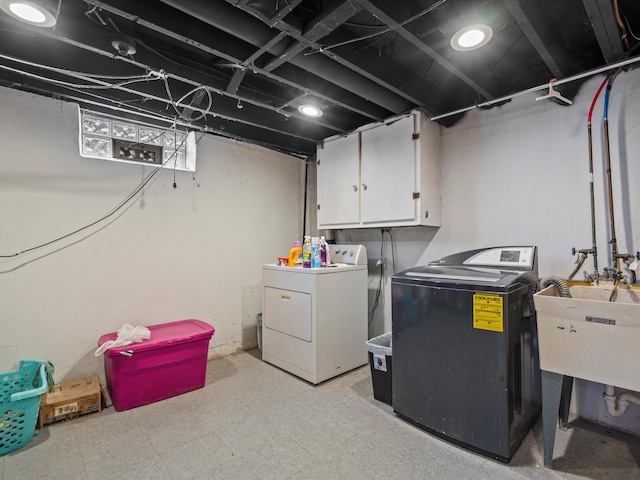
(559, 283)
(528, 309)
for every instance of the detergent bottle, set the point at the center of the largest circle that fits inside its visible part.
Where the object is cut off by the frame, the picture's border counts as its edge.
(295, 255)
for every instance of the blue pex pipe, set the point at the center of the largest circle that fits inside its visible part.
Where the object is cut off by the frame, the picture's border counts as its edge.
(606, 97)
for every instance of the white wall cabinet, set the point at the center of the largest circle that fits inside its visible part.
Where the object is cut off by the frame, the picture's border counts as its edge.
(382, 175)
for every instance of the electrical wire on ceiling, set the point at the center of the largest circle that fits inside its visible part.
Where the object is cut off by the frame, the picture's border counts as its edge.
(101, 85)
(233, 62)
(185, 65)
(151, 97)
(76, 74)
(626, 20)
(245, 99)
(204, 111)
(117, 208)
(324, 48)
(252, 88)
(122, 106)
(92, 77)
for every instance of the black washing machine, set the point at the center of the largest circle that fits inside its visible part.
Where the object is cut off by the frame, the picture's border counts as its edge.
(465, 359)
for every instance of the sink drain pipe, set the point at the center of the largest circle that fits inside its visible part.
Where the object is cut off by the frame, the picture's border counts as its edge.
(616, 406)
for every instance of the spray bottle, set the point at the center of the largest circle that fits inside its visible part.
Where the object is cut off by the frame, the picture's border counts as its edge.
(323, 251)
(306, 252)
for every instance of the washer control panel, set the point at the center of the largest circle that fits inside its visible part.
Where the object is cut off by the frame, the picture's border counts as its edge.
(522, 257)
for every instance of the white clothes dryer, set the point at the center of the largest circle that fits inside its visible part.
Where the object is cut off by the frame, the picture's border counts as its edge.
(314, 320)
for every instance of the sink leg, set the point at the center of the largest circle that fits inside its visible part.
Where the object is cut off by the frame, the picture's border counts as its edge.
(551, 392)
(565, 401)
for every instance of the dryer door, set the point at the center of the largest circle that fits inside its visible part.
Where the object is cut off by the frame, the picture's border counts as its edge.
(288, 312)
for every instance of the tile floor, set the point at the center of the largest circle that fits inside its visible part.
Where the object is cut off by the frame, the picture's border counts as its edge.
(253, 421)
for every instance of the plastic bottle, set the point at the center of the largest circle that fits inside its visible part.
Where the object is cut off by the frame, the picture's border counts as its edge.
(323, 251)
(306, 252)
(295, 255)
(315, 252)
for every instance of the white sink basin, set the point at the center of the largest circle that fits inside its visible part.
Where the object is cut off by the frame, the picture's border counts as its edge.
(588, 337)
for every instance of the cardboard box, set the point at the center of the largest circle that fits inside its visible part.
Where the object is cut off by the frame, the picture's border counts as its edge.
(68, 400)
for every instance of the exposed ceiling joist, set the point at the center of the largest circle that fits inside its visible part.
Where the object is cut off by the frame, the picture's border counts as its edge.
(322, 26)
(536, 27)
(383, 17)
(239, 74)
(233, 56)
(241, 68)
(225, 17)
(327, 23)
(605, 27)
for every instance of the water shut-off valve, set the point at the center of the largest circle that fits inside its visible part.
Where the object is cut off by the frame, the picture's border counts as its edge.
(582, 256)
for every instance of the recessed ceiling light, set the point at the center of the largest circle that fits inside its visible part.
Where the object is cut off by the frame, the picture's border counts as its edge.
(471, 38)
(32, 13)
(310, 110)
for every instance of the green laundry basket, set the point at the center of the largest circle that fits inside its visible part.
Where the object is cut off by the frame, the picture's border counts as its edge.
(20, 403)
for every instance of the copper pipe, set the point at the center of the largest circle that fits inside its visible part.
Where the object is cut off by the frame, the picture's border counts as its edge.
(614, 242)
(623, 29)
(594, 248)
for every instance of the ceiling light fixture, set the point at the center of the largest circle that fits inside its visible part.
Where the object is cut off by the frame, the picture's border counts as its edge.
(310, 110)
(33, 13)
(471, 38)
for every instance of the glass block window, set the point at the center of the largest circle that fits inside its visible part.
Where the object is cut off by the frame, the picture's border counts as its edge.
(110, 138)
(96, 147)
(179, 158)
(150, 136)
(171, 140)
(125, 131)
(96, 126)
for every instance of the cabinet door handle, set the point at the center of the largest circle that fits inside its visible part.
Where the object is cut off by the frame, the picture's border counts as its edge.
(364, 186)
(355, 188)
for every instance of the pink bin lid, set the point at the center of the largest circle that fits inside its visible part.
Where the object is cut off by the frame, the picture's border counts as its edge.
(164, 335)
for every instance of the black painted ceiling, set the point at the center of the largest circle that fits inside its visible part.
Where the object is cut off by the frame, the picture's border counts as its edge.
(243, 66)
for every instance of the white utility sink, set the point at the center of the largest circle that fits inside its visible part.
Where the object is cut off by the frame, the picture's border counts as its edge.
(588, 337)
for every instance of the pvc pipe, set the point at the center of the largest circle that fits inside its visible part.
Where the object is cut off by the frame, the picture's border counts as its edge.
(539, 87)
(616, 406)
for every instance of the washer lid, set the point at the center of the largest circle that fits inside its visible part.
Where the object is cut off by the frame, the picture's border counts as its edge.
(521, 258)
(461, 277)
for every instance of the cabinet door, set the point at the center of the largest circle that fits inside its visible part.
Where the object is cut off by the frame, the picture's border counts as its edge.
(388, 172)
(338, 181)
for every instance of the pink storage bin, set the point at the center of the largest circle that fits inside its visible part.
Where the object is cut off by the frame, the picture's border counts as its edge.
(172, 362)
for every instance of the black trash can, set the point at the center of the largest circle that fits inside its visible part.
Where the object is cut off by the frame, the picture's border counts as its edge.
(380, 363)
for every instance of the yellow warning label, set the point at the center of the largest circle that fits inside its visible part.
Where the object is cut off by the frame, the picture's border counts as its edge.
(487, 312)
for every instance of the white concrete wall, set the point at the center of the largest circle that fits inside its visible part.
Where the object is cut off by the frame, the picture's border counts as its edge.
(191, 252)
(518, 174)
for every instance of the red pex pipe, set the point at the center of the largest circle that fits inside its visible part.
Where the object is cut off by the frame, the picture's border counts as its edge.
(595, 99)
